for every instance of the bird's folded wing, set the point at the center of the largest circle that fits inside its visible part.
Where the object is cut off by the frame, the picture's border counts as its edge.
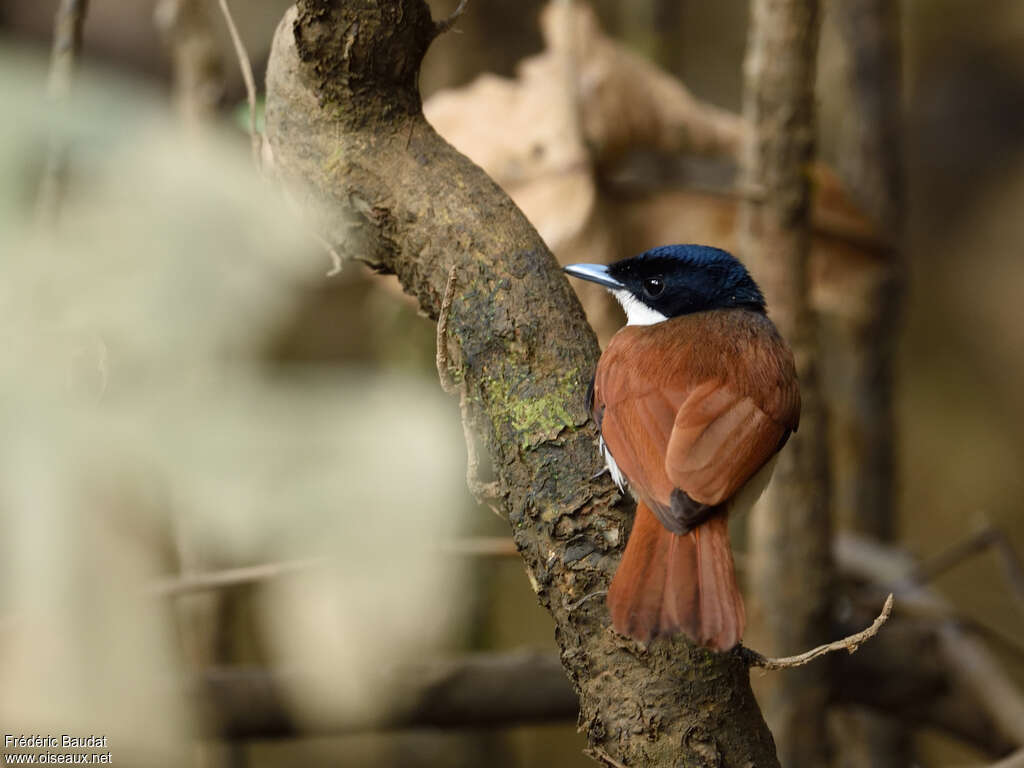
(719, 440)
(703, 424)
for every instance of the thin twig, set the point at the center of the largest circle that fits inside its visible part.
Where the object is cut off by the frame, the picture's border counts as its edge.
(573, 605)
(937, 565)
(989, 537)
(445, 24)
(850, 644)
(231, 577)
(1015, 760)
(250, 82)
(599, 754)
(258, 144)
(468, 546)
(444, 371)
(335, 258)
(970, 663)
(483, 492)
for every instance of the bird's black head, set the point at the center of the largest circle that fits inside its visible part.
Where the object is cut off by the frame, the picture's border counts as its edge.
(675, 280)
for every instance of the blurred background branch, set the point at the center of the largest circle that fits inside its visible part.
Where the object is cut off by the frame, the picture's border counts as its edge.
(197, 63)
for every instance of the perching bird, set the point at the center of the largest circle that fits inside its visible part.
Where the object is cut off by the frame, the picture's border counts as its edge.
(693, 398)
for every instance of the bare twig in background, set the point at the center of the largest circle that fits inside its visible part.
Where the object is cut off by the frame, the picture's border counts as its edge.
(989, 537)
(599, 754)
(969, 662)
(336, 264)
(850, 644)
(250, 82)
(903, 674)
(447, 23)
(228, 578)
(191, 582)
(791, 573)
(198, 68)
(1016, 760)
(69, 23)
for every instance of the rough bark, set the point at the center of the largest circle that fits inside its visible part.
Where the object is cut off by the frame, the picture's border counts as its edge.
(345, 127)
(790, 564)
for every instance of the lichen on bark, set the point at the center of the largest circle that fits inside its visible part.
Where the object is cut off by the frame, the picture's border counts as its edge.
(349, 139)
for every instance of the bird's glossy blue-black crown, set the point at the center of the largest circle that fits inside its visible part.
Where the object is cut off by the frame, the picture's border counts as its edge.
(680, 279)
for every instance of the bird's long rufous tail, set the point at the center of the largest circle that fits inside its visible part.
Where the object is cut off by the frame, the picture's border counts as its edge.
(669, 583)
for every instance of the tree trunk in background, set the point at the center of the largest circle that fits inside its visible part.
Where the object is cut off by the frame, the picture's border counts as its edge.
(859, 368)
(346, 128)
(869, 160)
(791, 570)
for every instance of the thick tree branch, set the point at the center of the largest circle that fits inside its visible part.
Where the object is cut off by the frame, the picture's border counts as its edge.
(346, 129)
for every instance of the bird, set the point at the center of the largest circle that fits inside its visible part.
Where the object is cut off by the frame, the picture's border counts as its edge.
(693, 398)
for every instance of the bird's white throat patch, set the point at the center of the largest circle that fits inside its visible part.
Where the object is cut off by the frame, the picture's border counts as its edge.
(637, 313)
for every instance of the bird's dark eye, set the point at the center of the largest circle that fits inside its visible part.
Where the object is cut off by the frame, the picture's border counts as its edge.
(654, 286)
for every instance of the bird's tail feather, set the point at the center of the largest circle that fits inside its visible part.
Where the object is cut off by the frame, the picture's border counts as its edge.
(667, 583)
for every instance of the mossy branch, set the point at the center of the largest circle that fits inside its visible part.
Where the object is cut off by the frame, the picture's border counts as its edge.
(348, 136)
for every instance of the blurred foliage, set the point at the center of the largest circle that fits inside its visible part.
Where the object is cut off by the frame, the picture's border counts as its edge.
(146, 432)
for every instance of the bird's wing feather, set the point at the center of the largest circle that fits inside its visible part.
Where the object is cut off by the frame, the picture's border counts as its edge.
(719, 440)
(704, 419)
